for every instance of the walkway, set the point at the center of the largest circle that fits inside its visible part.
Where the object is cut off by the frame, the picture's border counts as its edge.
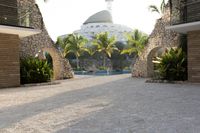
(109, 104)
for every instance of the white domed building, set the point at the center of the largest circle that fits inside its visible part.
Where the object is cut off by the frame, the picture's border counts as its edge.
(102, 22)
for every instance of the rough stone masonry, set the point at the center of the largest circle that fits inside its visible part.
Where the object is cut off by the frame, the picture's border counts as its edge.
(30, 46)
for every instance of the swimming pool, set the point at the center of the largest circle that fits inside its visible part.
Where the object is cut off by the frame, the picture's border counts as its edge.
(102, 73)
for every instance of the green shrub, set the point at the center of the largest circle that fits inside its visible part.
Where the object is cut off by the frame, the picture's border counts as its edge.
(172, 65)
(102, 68)
(49, 60)
(33, 70)
(127, 68)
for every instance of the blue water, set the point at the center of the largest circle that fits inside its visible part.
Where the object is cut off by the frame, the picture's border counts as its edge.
(102, 73)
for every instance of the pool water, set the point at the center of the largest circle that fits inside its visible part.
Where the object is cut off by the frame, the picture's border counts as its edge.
(102, 73)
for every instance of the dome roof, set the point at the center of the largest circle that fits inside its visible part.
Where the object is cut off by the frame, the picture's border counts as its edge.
(100, 17)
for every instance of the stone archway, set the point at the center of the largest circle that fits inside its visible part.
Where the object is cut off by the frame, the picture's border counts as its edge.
(57, 64)
(153, 53)
(30, 45)
(61, 68)
(160, 37)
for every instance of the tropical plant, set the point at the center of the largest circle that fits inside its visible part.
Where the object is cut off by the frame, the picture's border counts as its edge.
(160, 10)
(91, 49)
(60, 45)
(135, 43)
(34, 70)
(105, 45)
(75, 44)
(172, 65)
(118, 60)
(49, 59)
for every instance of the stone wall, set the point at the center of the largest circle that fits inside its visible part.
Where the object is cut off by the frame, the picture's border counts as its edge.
(176, 14)
(9, 58)
(30, 46)
(159, 38)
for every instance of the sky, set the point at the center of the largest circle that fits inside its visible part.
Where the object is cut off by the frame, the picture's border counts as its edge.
(65, 16)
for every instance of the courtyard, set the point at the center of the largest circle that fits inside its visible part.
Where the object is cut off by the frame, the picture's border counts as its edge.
(101, 104)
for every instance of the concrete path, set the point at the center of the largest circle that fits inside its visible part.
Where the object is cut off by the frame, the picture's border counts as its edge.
(108, 104)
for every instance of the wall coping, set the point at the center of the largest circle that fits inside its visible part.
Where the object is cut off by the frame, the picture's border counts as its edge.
(21, 31)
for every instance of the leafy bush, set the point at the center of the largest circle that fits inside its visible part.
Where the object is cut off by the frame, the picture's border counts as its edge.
(102, 68)
(49, 60)
(34, 70)
(172, 65)
(126, 68)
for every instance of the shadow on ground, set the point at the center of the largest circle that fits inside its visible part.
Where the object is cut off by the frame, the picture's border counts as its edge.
(133, 107)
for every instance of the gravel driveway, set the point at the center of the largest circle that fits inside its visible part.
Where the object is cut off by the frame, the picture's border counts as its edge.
(108, 104)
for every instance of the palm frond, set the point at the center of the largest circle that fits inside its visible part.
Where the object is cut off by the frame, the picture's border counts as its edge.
(154, 8)
(162, 6)
(136, 42)
(73, 43)
(104, 43)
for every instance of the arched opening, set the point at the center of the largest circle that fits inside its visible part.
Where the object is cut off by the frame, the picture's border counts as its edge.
(155, 52)
(49, 59)
(53, 58)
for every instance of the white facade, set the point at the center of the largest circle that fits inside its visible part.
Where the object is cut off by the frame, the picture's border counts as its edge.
(91, 29)
(102, 22)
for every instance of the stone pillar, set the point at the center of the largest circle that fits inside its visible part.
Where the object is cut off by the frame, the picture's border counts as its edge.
(194, 56)
(9, 60)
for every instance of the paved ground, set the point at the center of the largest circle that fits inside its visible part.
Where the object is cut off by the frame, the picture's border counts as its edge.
(112, 104)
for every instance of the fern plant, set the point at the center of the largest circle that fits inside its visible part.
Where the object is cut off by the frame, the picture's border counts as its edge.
(172, 65)
(34, 70)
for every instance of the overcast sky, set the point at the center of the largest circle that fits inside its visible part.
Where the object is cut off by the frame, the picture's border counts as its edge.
(65, 16)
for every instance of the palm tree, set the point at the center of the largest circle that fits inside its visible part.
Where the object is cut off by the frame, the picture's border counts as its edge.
(135, 43)
(75, 44)
(91, 49)
(161, 10)
(105, 45)
(60, 45)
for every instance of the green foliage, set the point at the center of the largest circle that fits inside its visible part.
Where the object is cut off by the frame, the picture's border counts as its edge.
(101, 47)
(74, 44)
(49, 59)
(59, 43)
(102, 68)
(91, 49)
(104, 43)
(172, 65)
(159, 10)
(154, 8)
(33, 70)
(136, 42)
(127, 68)
(118, 60)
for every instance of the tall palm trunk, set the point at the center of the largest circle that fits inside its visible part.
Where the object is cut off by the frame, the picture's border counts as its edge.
(77, 62)
(104, 60)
